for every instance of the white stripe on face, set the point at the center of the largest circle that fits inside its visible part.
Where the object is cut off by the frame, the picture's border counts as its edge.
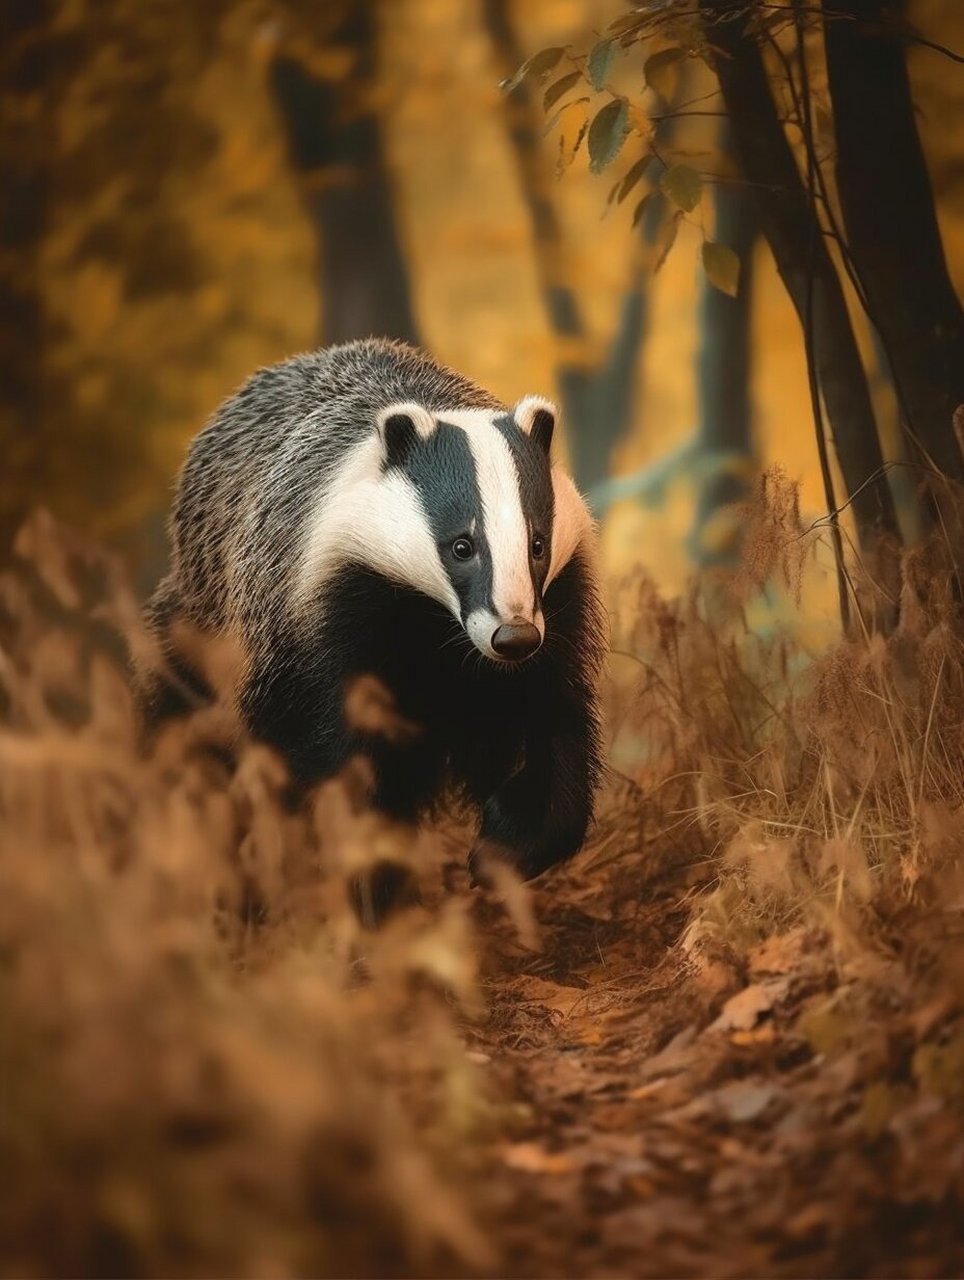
(368, 518)
(505, 525)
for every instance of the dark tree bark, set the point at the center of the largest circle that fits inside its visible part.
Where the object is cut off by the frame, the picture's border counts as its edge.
(892, 232)
(725, 430)
(788, 222)
(597, 401)
(336, 144)
(23, 149)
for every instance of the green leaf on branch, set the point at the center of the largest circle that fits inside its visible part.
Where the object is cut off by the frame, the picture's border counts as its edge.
(607, 133)
(600, 63)
(633, 176)
(559, 88)
(668, 240)
(642, 207)
(683, 186)
(722, 267)
(659, 71)
(538, 67)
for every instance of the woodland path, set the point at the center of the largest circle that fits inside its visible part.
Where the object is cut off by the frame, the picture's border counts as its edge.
(709, 1114)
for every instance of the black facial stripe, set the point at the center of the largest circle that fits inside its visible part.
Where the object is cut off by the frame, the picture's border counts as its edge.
(535, 488)
(442, 470)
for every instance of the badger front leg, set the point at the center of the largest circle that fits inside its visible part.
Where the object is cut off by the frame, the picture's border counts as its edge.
(541, 814)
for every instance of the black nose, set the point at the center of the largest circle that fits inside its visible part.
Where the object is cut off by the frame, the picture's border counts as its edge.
(516, 640)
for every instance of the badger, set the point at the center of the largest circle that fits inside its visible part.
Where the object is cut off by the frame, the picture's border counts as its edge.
(363, 511)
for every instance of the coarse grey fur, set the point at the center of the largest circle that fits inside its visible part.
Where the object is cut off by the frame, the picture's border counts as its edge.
(257, 476)
(253, 474)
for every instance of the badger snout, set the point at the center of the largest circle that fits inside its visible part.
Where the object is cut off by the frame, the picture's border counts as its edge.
(516, 640)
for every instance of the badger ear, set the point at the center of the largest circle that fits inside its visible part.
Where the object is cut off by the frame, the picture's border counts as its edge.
(400, 426)
(536, 416)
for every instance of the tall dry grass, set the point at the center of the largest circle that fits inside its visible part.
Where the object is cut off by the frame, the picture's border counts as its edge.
(207, 1064)
(824, 782)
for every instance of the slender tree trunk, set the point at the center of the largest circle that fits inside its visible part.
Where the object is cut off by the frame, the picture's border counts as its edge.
(787, 221)
(23, 150)
(892, 230)
(597, 401)
(725, 431)
(336, 144)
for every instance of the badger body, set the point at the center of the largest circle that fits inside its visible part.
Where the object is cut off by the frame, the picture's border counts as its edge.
(362, 510)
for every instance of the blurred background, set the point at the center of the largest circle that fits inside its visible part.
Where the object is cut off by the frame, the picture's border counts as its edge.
(195, 190)
(728, 1039)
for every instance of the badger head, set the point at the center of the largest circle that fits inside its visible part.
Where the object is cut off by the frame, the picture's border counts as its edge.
(463, 506)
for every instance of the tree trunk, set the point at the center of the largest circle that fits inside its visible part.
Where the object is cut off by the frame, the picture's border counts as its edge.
(725, 431)
(788, 222)
(888, 207)
(25, 145)
(335, 142)
(597, 401)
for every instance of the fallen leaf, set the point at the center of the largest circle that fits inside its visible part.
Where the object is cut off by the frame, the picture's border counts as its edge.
(744, 1010)
(647, 1090)
(716, 974)
(764, 1034)
(809, 1221)
(673, 1057)
(670, 1091)
(529, 1157)
(878, 1107)
(825, 1027)
(744, 1100)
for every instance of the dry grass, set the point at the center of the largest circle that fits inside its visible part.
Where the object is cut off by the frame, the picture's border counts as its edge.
(209, 1066)
(827, 785)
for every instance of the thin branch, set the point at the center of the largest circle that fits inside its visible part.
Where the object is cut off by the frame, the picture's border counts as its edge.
(806, 122)
(823, 521)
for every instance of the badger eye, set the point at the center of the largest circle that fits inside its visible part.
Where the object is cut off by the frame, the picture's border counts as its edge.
(463, 549)
(538, 547)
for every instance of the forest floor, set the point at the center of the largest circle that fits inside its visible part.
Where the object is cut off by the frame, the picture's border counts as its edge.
(777, 1112)
(726, 1040)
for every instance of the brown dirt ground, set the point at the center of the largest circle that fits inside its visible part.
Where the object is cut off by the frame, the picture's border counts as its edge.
(713, 1114)
(658, 1097)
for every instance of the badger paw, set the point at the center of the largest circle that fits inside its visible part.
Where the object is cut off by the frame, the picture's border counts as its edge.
(519, 829)
(486, 856)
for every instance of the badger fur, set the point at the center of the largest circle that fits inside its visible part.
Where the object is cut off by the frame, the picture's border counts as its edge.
(363, 510)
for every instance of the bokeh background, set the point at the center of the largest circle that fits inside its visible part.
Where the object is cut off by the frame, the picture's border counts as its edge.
(728, 1038)
(195, 190)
